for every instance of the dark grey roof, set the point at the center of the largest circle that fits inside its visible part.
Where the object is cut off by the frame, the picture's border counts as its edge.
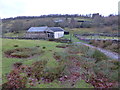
(55, 29)
(37, 29)
(42, 29)
(58, 21)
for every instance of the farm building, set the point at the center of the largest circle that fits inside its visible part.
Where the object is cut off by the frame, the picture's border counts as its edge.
(45, 32)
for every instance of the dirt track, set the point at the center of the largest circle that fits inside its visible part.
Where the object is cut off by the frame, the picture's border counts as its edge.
(106, 52)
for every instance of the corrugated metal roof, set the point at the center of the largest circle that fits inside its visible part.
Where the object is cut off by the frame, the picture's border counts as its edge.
(42, 29)
(37, 29)
(55, 29)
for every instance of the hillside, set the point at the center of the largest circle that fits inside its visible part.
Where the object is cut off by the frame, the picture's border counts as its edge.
(94, 24)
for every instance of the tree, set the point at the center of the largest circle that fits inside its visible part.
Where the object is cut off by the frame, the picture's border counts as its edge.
(73, 23)
(17, 26)
(98, 20)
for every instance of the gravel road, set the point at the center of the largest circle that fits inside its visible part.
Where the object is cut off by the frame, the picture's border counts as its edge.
(106, 52)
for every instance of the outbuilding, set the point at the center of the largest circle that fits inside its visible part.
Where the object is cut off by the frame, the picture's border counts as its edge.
(57, 32)
(37, 32)
(45, 32)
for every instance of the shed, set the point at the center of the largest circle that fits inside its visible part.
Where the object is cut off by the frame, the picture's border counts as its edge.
(45, 32)
(37, 32)
(58, 31)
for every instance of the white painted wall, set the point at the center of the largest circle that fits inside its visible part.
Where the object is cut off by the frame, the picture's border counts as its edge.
(58, 34)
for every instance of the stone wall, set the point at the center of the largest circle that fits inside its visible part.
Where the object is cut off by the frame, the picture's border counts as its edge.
(36, 35)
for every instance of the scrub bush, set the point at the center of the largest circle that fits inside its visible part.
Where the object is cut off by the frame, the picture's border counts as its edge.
(99, 56)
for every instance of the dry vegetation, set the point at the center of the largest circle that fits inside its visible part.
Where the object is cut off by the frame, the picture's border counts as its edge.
(75, 63)
(106, 44)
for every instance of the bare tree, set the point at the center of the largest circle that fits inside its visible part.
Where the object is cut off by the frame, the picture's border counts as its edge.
(98, 20)
(17, 26)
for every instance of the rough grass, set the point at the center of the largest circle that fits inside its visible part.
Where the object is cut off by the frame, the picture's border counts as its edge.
(98, 37)
(95, 68)
(81, 30)
(49, 49)
(10, 34)
(8, 44)
(23, 52)
(106, 44)
(75, 63)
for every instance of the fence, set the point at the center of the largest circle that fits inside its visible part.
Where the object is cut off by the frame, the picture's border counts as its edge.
(87, 40)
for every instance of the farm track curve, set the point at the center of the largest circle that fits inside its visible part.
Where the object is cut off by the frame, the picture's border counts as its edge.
(108, 53)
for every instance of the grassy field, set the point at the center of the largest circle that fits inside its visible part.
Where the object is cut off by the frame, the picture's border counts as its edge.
(81, 30)
(73, 39)
(65, 65)
(49, 49)
(11, 34)
(9, 44)
(70, 36)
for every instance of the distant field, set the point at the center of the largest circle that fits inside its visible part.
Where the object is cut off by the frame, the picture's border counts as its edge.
(11, 34)
(99, 37)
(81, 30)
(73, 39)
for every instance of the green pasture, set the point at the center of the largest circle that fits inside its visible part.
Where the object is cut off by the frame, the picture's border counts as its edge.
(8, 44)
(13, 34)
(81, 30)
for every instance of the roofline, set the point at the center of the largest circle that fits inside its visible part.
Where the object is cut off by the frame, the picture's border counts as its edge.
(47, 29)
(57, 27)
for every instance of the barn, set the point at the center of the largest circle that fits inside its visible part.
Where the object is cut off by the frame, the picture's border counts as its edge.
(37, 32)
(45, 32)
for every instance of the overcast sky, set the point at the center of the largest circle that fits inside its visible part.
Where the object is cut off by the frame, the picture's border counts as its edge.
(13, 8)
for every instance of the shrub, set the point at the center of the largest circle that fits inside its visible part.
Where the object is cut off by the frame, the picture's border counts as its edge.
(83, 49)
(114, 47)
(102, 44)
(108, 42)
(37, 46)
(15, 80)
(17, 65)
(44, 47)
(116, 64)
(20, 55)
(72, 57)
(15, 45)
(96, 43)
(104, 67)
(90, 52)
(86, 64)
(52, 73)
(91, 41)
(99, 56)
(75, 49)
(60, 56)
(23, 52)
(62, 46)
(37, 68)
